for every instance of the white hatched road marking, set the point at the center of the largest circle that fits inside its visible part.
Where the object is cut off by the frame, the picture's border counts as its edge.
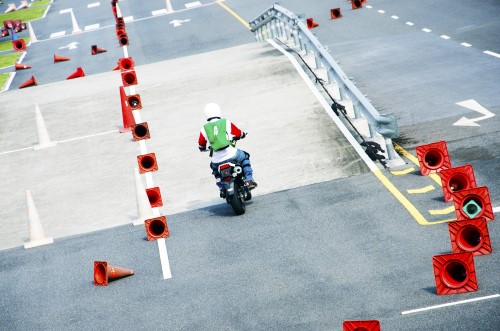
(57, 34)
(95, 4)
(192, 4)
(492, 54)
(92, 27)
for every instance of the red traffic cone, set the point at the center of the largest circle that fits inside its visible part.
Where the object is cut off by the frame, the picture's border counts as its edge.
(18, 45)
(156, 228)
(104, 273)
(29, 82)
(154, 196)
(20, 66)
(140, 131)
(78, 73)
(367, 325)
(356, 4)
(125, 64)
(311, 24)
(128, 117)
(58, 58)
(147, 162)
(335, 13)
(96, 50)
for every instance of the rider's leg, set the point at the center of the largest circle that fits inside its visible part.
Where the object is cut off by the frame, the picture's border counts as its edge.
(243, 158)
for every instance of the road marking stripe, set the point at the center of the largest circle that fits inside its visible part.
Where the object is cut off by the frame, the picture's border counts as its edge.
(92, 27)
(165, 265)
(369, 7)
(421, 190)
(16, 150)
(410, 23)
(230, 11)
(57, 34)
(128, 19)
(426, 30)
(492, 54)
(95, 4)
(159, 12)
(496, 210)
(494, 296)
(192, 4)
(444, 37)
(381, 11)
(395, 17)
(445, 211)
(403, 172)
(84, 137)
(466, 44)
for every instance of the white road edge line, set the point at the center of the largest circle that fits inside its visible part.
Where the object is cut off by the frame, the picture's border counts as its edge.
(165, 265)
(492, 54)
(326, 106)
(84, 137)
(496, 209)
(450, 304)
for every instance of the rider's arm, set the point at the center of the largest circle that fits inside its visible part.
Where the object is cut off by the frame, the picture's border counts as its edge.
(235, 131)
(202, 142)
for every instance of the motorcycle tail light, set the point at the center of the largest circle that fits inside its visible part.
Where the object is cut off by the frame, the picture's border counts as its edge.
(224, 166)
(226, 179)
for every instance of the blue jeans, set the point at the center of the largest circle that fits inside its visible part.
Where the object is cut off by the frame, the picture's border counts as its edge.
(242, 158)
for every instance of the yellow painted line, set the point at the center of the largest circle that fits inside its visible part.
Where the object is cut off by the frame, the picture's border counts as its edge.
(444, 211)
(403, 172)
(405, 202)
(414, 159)
(421, 190)
(238, 17)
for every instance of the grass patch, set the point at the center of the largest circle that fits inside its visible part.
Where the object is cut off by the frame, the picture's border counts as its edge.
(9, 59)
(3, 80)
(25, 15)
(40, 2)
(7, 45)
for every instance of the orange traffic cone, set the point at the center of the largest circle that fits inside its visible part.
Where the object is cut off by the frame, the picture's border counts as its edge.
(104, 273)
(58, 58)
(311, 24)
(20, 66)
(96, 50)
(29, 82)
(128, 117)
(78, 73)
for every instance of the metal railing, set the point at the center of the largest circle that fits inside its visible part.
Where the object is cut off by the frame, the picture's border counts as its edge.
(279, 22)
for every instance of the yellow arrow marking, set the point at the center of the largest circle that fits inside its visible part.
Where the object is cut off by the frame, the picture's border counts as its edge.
(445, 211)
(403, 172)
(421, 190)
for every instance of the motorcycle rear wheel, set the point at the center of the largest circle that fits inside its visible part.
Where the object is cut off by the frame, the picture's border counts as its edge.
(236, 201)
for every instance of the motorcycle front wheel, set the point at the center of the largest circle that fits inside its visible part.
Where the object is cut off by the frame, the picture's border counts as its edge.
(236, 201)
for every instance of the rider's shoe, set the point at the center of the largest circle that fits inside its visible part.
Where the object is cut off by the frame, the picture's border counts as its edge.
(251, 184)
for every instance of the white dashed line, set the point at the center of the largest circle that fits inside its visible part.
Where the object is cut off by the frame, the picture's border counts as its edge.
(95, 4)
(444, 37)
(159, 12)
(381, 11)
(92, 27)
(128, 19)
(57, 34)
(426, 30)
(492, 54)
(369, 7)
(466, 44)
(410, 24)
(395, 17)
(192, 4)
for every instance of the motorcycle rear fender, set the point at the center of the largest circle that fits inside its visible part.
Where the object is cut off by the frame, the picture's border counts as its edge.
(229, 186)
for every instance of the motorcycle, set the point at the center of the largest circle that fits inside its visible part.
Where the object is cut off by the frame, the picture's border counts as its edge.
(232, 182)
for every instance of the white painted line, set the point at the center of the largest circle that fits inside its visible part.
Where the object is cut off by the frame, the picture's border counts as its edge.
(149, 180)
(426, 30)
(192, 4)
(381, 11)
(496, 209)
(409, 23)
(95, 4)
(16, 150)
(395, 17)
(57, 34)
(492, 54)
(142, 145)
(84, 137)
(64, 11)
(165, 265)
(369, 7)
(159, 12)
(128, 19)
(445, 37)
(450, 304)
(92, 27)
(466, 44)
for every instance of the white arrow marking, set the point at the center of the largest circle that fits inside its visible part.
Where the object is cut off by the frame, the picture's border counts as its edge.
(474, 105)
(71, 45)
(177, 23)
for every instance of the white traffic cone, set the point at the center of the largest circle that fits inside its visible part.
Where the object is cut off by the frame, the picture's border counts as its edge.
(43, 134)
(37, 236)
(144, 210)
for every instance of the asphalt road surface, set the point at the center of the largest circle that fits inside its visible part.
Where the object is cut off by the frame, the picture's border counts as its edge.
(324, 239)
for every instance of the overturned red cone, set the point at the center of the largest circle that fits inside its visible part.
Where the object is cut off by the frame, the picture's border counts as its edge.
(104, 273)
(78, 73)
(96, 50)
(29, 82)
(20, 66)
(58, 58)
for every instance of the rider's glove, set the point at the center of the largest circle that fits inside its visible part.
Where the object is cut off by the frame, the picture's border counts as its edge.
(202, 148)
(243, 135)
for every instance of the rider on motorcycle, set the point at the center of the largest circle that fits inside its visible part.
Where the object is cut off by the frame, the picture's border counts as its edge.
(218, 133)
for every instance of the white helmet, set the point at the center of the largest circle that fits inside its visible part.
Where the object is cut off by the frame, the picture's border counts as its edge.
(212, 110)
